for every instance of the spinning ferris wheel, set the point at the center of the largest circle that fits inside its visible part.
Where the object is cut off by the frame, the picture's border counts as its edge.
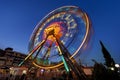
(59, 37)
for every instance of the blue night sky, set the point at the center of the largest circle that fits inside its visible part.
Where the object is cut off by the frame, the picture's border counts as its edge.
(18, 18)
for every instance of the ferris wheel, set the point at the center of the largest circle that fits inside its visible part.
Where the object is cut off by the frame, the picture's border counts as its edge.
(58, 37)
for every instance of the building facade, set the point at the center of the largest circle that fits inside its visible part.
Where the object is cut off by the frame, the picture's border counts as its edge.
(11, 58)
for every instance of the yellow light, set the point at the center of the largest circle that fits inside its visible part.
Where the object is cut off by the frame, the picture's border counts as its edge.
(47, 67)
(57, 31)
(117, 65)
(112, 68)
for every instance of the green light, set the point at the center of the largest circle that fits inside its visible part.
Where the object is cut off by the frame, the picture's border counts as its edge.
(21, 63)
(65, 64)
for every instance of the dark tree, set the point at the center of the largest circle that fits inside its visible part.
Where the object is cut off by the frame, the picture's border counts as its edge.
(99, 72)
(109, 62)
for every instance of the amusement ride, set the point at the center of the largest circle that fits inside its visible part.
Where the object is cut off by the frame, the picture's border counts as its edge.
(58, 38)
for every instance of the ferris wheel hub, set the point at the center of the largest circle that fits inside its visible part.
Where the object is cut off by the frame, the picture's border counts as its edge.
(54, 29)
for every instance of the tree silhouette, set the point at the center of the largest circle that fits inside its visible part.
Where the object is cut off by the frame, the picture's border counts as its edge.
(109, 62)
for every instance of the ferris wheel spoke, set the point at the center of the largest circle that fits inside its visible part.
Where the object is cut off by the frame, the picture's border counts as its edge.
(39, 49)
(31, 53)
(47, 53)
(65, 50)
(62, 47)
(68, 63)
(61, 52)
(63, 59)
